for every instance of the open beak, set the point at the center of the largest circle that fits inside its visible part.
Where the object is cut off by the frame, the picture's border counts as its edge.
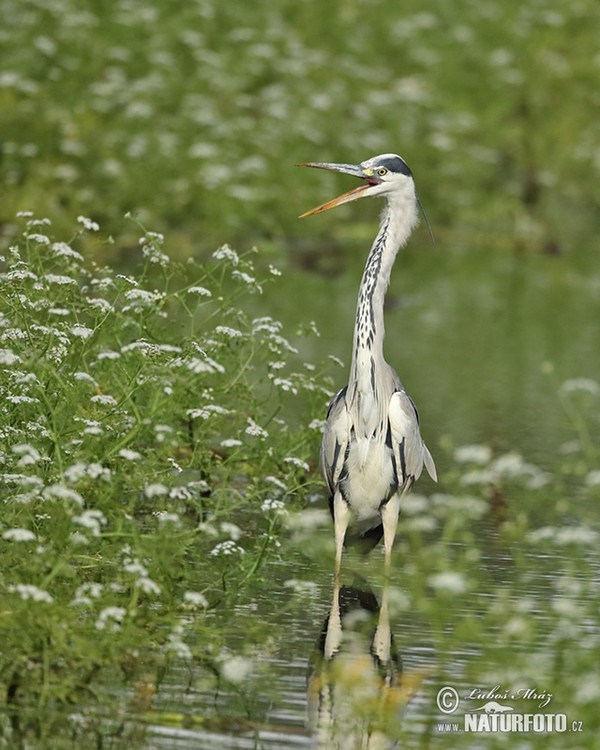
(358, 192)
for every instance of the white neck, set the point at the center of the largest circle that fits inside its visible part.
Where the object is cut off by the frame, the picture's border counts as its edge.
(398, 218)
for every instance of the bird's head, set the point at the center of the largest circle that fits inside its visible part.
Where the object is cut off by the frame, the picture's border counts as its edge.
(384, 175)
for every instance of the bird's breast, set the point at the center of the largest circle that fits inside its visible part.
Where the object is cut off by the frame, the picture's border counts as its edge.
(369, 476)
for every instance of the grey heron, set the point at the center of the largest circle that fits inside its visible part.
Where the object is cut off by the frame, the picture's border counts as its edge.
(372, 451)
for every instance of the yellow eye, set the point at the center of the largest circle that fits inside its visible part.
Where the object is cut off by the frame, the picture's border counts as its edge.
(381, 171)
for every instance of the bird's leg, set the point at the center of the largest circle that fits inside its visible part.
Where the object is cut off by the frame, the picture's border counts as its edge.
(341, 517)
(389, 518)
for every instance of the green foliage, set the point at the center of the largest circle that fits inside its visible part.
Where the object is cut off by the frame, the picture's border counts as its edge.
(196, 112)
(140, 422)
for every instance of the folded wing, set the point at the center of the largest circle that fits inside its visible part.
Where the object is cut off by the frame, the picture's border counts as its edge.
(410, 452)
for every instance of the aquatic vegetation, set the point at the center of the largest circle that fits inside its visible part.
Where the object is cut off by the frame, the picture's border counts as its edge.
(128, 453)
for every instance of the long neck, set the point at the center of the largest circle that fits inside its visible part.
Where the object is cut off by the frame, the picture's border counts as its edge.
(397, 221)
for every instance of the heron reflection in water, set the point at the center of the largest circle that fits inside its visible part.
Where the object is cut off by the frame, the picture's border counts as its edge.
(371, 454)
(353, 680)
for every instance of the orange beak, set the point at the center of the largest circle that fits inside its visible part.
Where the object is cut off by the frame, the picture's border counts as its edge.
(358, 192)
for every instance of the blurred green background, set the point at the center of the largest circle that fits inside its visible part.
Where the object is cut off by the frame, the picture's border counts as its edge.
(193, 113)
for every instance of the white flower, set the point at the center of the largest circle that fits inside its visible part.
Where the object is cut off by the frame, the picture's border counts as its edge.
(580, 384)
(576, 535)
(85, 593)
(297, 462)
(285, 385)
(85, 376)
(148, 586)
(29, 454)
(180, 493)
(266, 325)
(449, 581)
(230, 443)
(100, 304)
(199, 290)
(129, 455)
(255, 430)
(274, 271)
(413, 504)
(476, 454)
(233, 532)
(79, 539)
(104, 400)
(579, 534)
(62, 250)
(91, 519)
(28, 591)
(231, 333)
(128, 279)
(269, 505)
(236, 668)
(143, 295)
(97, 471)
(41, 239)
(509, 464)
(109, 354)
(155, 490)
(23, 480)
(157, 237)
(593, 478)
(8, 357)
(82, 332)
(226, 253)
(88, 223)
(228, 547)
(207, 411)
(76, 471)
(53, 278)
(478, 476)
(134, 566)
(14, 334)
(277, 482)
(60, 492)
(117, 614)
(19, 535)
(18, 274)
(176, 645)
(195, 598)
(22, 400)
(206, 364)
(247, 279)
(305, 588)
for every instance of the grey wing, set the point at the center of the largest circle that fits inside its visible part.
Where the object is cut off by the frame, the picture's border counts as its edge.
(410, 452)
(335, 440)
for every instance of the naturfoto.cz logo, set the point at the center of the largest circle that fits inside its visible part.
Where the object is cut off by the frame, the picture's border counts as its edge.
(497, 716)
